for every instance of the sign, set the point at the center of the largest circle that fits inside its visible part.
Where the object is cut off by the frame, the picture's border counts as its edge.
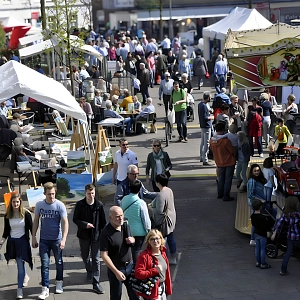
(35, 15)
(124, 3)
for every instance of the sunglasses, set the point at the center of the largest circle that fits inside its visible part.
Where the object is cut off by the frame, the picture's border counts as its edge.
(124, 145)
(156, 145)
(134, 174)
(155, 239)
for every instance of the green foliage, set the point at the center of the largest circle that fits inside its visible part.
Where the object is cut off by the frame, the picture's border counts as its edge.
(2, 36)
(63, 187)
(148, 5)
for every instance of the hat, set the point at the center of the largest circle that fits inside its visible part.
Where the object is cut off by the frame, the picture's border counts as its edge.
(167, 74)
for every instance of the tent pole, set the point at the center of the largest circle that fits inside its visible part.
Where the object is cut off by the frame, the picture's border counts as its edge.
(53, 64)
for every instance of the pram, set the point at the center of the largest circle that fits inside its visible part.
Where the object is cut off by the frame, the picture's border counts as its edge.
(280, 242)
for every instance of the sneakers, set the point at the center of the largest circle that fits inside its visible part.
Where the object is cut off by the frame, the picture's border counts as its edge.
(261, 155)
(186, 139)
(265, 266)
(26, 279)
(206, 163)
(283, 272)
(59, 287)
(257, 265)
(98, 288)
(45, 293)
(19, 294)
(252, 243)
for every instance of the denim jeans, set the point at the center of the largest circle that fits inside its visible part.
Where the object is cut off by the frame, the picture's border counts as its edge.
(266, 132)
(259, 145)
(145, 93)
(220, 84)
(225, 181)
(204, 144)
(260, 248)
(115, 286)
(90, 254)
(152, 79)
(128, 123)
(241, 167)
(289, 252)
(45, 248)
(171, 242)
(180, 119)
(268, 193)
(21, 271)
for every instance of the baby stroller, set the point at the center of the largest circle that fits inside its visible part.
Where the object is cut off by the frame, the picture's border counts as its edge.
(280, 242)
(190, 109)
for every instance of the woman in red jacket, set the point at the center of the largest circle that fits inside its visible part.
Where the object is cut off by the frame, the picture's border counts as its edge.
(152, 262)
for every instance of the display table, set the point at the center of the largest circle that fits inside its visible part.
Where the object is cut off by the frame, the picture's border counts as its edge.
(113, 123)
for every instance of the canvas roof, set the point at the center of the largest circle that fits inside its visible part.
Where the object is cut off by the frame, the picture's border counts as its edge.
(16, 78)
(239, 19)
(260, 37)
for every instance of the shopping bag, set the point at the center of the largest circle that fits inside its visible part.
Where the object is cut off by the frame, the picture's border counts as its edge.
(207, 76)
(171, 116)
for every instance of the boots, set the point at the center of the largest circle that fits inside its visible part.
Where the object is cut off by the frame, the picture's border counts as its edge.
(172, 259)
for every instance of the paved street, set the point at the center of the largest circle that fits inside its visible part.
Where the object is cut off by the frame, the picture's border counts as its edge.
(215, 260)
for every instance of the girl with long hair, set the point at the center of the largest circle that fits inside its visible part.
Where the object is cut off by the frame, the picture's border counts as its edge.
(17, 224)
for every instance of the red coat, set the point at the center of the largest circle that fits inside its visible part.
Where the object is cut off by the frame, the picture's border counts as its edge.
(144, 269)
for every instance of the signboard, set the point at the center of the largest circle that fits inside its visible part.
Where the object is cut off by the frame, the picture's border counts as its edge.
(124, 3)
(271, 65)
(34, 15)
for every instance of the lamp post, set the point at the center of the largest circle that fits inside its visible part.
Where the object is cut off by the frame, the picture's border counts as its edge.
(171, 31)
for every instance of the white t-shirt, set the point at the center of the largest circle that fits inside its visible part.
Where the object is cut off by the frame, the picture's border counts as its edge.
(17, 226)
(123, 161)
(268, 172)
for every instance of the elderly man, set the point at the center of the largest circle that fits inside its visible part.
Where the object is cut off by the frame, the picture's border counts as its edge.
(109, 113)
(123, 188)
(137, 104)
(149, 109)
(184, 65)
(123, 158)
(151, 47)
(144, 78)
(205, 120)
(166, 45)
(166, 88)
(116, 244)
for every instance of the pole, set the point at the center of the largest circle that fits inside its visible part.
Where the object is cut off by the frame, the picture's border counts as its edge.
(43, 14)
(171, 30)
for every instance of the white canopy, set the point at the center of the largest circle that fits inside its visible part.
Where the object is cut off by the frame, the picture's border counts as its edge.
(16, 78)
(239, 19)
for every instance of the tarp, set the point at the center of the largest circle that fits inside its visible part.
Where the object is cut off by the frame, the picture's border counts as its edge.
(239, 19)
(16, 78)
(19, 29)
(261, 37)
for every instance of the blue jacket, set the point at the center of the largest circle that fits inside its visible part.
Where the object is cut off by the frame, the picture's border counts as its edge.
(203, 114)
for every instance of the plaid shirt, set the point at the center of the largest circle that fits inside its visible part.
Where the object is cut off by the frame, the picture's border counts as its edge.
(291, 223)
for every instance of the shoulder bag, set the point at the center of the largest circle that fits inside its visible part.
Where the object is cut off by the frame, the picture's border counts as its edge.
(162, 227)
(143, 286)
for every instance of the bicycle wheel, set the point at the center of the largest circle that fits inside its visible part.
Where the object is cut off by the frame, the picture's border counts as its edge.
(167, 132)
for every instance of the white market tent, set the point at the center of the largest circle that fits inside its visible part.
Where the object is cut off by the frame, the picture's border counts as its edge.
(16, 78)
(239, 19)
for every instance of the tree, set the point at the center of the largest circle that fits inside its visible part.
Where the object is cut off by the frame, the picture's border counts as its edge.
(151, 5)
(61, 21)
(2, 37)
(63, 187)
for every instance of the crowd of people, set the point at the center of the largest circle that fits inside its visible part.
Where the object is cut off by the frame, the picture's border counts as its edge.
(133, 238)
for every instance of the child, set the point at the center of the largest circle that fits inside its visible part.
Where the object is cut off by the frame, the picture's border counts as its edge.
(269, 175)
(262, 224)
(282, 133)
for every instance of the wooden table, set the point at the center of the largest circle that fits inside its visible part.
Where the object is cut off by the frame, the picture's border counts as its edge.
(126, 114)
(19, 109)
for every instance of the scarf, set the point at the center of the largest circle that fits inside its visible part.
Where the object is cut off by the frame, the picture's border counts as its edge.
(158, 156)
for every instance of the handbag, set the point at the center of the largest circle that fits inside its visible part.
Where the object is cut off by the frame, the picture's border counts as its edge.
(162, 227)
(143, 286)
(207, 76)
(167, 173)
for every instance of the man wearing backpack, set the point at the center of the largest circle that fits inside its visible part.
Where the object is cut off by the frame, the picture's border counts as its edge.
(178, 101)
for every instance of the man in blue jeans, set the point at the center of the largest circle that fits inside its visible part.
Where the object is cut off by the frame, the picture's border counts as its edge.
(115, 246)
(224, 156)
(205, 120)
(52, 213)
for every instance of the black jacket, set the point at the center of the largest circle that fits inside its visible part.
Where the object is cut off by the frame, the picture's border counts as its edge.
(28, 226)
(83, 214)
